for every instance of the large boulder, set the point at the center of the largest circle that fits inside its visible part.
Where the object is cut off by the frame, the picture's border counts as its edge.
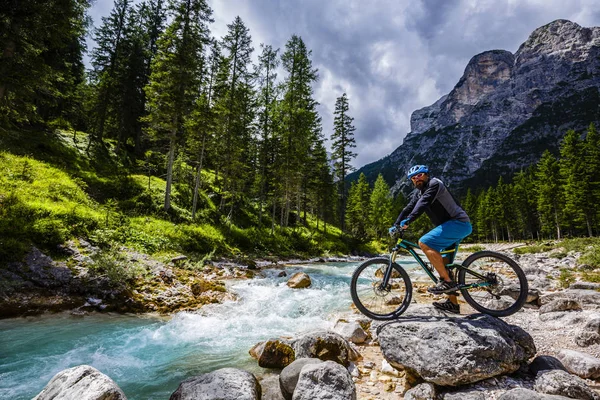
(326, 346)
(82, 383)
(288, 378)
(565, 384)
(222, 384)
(580, 364)
(455, 351)
(324, 381)
(275, 353)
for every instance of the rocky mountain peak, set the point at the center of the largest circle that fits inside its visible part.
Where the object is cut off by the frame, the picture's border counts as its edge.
(482, 75)
(504, 111)
(561, 38)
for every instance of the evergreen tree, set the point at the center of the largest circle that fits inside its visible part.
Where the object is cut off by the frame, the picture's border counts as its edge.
(234, 112)
(108, 61)
(591, 150)
(470, 207)
(358, 206)
(176, 75)
(380, 207)
(525, 204)
(549, 194)
(574, 185)
(266, 74)
(342, 143)
(298, 124)
(41, 50)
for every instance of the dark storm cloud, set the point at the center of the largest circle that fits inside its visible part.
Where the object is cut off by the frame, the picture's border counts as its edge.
(392, 57)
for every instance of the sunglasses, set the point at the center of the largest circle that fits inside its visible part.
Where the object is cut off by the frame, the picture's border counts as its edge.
(417, 176)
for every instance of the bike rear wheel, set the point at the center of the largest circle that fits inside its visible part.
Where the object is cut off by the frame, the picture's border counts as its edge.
(505, 287)
(378, 301)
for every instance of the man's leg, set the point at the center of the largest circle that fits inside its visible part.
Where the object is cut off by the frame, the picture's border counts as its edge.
(436, 259)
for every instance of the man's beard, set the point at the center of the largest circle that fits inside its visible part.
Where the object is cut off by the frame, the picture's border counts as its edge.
(419, 184)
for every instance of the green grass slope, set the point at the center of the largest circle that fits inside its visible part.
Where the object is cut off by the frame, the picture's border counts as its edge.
(52, 190)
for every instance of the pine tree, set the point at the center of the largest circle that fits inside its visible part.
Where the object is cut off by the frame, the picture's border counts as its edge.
(574, 185)
(268, 62)
(470, 207)
(299, 121)
(108, 61)
(234, 108)
(41, 47)
(342, 143)
(358, 206)
(380, 207)
(549, 194)
(176, 75)
(591, 150)
(525, 204)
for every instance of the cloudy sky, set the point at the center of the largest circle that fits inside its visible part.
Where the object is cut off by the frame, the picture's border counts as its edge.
(391, 57)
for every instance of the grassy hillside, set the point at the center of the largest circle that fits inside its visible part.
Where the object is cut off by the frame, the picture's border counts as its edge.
(52, 190)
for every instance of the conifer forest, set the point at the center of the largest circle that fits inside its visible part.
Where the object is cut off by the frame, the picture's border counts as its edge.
(176, 140)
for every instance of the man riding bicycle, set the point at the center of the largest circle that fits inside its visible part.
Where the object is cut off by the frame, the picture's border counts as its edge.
(451, 222)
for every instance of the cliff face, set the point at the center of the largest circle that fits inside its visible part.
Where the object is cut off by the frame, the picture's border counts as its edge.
(504, 111)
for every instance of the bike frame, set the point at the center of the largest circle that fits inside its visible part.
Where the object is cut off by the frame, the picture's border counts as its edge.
(451, 253)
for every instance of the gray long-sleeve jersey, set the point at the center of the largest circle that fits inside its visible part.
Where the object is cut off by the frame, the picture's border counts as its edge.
(435, 200)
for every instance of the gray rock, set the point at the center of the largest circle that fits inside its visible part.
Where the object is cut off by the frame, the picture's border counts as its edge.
(562, 383)
(560, 304)
(545, 363)
(43, 271)
(580, 364)
(464, 395)
(325, 345)
(455, 351)
(590, 333)
(325, 381)
(351, 331)
(423, 391)
(526, 394)
(585, 285)
(269, 384)
(82, 383)
(222, 384)
(590, 298)
(288, 378)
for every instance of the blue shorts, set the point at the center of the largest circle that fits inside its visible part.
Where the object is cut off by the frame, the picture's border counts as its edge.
(446, 234)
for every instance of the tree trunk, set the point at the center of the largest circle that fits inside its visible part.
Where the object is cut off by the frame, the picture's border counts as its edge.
(172, 145)
(197, 185)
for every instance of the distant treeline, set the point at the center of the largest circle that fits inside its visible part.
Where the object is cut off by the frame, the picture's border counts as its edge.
(556, 198)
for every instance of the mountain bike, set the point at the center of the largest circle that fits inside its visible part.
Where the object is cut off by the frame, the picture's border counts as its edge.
(490, 282)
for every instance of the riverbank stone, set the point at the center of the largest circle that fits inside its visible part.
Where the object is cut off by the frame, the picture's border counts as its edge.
(82, 383)
(288, 378)
(222, 384)
(455, 351)
(324, 381)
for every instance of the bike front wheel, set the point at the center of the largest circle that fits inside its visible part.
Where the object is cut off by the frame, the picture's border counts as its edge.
(494, 283)
(375, 299)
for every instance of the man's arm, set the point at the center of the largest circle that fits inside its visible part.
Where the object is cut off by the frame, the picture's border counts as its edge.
(409, 207)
